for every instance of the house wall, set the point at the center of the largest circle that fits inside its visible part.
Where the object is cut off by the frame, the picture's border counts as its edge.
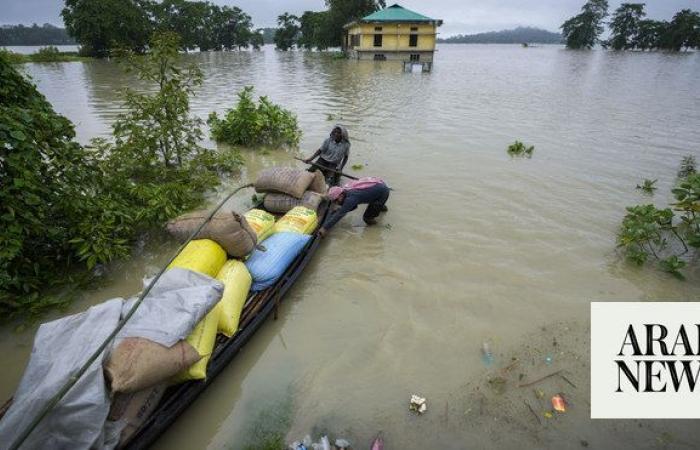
(395, 36)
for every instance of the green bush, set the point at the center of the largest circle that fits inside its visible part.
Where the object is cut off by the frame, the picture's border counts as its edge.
(517, 148)
(47, 54)
(12, 57)
(251, 124)
(65, 208)
(666, 235)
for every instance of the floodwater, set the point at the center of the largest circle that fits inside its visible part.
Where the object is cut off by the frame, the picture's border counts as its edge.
(476, 246)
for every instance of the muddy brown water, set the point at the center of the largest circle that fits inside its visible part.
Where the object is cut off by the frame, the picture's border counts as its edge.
(475, 246)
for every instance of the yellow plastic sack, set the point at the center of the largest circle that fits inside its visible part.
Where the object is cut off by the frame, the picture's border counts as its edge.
(202, 338)
(261, 222)
(237, 280)
(299, 219)
(201, 255)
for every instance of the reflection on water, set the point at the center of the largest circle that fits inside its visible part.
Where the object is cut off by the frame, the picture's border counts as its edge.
(479, 246)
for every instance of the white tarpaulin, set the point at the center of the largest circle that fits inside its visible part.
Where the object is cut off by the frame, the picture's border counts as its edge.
(168, 314)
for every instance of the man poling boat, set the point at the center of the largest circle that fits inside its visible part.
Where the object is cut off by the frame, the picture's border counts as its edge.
(332, 155)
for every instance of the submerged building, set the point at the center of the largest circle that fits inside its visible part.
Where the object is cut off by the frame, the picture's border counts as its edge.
(394, 33)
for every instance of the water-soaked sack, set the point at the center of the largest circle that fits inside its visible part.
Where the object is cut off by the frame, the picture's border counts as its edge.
(298, 220)
(131, 410)
(202, 255)
(237, 280)
(319, 183)
(281, 249)
(229, 229)
(286, 180)
(261, 222)
(282, 203)
(138, 363)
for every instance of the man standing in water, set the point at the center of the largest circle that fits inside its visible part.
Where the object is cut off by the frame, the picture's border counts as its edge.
(333, 154)
(370, 190)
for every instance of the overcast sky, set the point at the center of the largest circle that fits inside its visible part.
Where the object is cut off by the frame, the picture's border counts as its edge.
(460, 16)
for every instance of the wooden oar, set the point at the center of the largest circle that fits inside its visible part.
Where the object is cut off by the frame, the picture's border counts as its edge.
(327, 168)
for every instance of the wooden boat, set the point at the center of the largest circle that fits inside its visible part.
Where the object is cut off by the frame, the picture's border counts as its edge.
(257, 308)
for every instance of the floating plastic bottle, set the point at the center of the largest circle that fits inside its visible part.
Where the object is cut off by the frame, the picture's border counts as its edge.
(486, 354)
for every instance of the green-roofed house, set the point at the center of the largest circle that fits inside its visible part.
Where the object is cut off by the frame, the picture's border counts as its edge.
(392, 33)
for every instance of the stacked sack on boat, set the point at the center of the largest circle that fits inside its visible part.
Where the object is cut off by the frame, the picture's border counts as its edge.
(138, 371)
(298, 193)
(286, 188)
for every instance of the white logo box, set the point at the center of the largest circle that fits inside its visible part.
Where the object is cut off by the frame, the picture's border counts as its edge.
(610, 322)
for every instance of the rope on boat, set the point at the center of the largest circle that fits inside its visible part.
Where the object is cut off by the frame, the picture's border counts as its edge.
(72, 380)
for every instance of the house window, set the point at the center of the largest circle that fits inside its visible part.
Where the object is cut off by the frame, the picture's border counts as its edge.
(414, 28)
(377, 40)
(355, 40)
(377, 28)
(379, 57)
(413, 40)
(415, 57)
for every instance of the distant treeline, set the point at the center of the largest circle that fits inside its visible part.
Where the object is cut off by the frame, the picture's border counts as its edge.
(46, 34)
(515, 36)
(101, 26)
(630, 30)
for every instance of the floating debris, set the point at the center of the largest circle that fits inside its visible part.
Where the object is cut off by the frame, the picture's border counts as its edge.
(486, 354)
(558, 403)
(342, 444)
(418, 404)
(548, 360)
(378, 443)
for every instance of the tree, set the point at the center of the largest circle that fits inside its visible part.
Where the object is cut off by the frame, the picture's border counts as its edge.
(340, 12)
(683, 31)
(313, 29)
(625, 25)
(286, 34)
(584, 29)
(650, 34)
(100, 25)
(46, 34)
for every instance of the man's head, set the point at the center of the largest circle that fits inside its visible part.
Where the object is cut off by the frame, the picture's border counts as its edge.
(336, 194)
(337, 134)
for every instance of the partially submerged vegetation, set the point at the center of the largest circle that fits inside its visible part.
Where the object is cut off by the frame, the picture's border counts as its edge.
(671, 236)
(517, 148)
(65, 208)
(252, 123)
(648, 186)
(44, 54)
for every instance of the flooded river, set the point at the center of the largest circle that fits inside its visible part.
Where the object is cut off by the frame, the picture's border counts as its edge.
(476, 246)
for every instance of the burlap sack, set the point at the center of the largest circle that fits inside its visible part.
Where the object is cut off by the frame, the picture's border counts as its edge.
(282, 203)
(319, 183)
(228, 229)
(133, 409)
(139, 363)
(285, 180)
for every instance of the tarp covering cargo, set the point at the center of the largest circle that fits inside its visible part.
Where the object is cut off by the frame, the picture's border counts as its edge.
(237, 280)
(286, 180)
(64, 345)
(203, 256)
(282, 203)
(261, 222)
(298, 220)
(281, 249)
(228, 229)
